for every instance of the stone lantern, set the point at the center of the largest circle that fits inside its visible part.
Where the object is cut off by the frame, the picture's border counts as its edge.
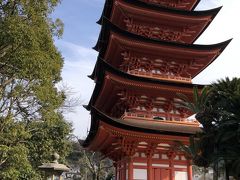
(54, 170)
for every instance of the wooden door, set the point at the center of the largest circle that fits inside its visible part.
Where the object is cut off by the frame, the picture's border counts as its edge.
(165, 174)
(161, 174)
(157, 173)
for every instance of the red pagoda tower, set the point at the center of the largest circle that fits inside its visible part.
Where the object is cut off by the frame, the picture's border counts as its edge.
(147, 56)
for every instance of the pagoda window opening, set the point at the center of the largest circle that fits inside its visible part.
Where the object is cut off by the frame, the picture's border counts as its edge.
(177, 112)
(156, 156)
(183, 158)
(159, 118)
(142, 70)
(156, 71)
(165, 156)
(154, 109)
(142, 155)
(177, 157)
(141, 108)
(169, 73)
(136, 154)
(141, 115)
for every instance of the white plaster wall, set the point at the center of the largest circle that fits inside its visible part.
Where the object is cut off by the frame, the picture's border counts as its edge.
(180, 166)
(140, 164)
(180, 175)
(160, 165)
(140, 174)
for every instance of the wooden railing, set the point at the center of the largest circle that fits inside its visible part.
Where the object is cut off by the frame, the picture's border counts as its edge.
(149, 117)
(161, 76)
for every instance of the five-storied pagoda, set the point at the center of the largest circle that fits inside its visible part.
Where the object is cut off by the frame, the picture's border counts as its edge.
(147, 56)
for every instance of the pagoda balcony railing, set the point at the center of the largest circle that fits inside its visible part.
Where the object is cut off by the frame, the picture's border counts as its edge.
(160, 76)
(155, 118)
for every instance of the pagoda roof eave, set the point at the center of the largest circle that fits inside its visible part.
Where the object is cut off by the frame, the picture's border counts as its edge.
(156, 129)
(105, 67)
(195, 5)
(103, 40)
(108, 27)
(109, 4)
(128, 9)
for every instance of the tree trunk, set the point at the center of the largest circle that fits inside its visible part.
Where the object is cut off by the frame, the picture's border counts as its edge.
(226, 170)
(204, 173)
(215, 171)
(94, 176)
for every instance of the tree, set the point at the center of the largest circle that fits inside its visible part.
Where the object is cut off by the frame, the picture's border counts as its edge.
(195, 153)
(226, 100)
(220, 118)
(200, 147)
(90, 165)
(31, 125)
(30, 64)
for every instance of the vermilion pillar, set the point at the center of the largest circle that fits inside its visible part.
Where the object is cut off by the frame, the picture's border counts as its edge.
(189, 169)
(124, 170)
(130, 169)
(149, 167)
(171, 165)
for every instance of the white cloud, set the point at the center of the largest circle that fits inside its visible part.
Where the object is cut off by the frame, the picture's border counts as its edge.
(79, 62)
(77, 52)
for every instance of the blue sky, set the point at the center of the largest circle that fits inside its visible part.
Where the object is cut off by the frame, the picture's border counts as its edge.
(81, 33)
(79, 17)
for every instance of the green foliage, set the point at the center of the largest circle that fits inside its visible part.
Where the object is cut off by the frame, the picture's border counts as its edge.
(195, 152)
(17, 165)
(31, 125)
(199, 102)
(218, 112)
(26, 41)
(24, 145)
(47, 138)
